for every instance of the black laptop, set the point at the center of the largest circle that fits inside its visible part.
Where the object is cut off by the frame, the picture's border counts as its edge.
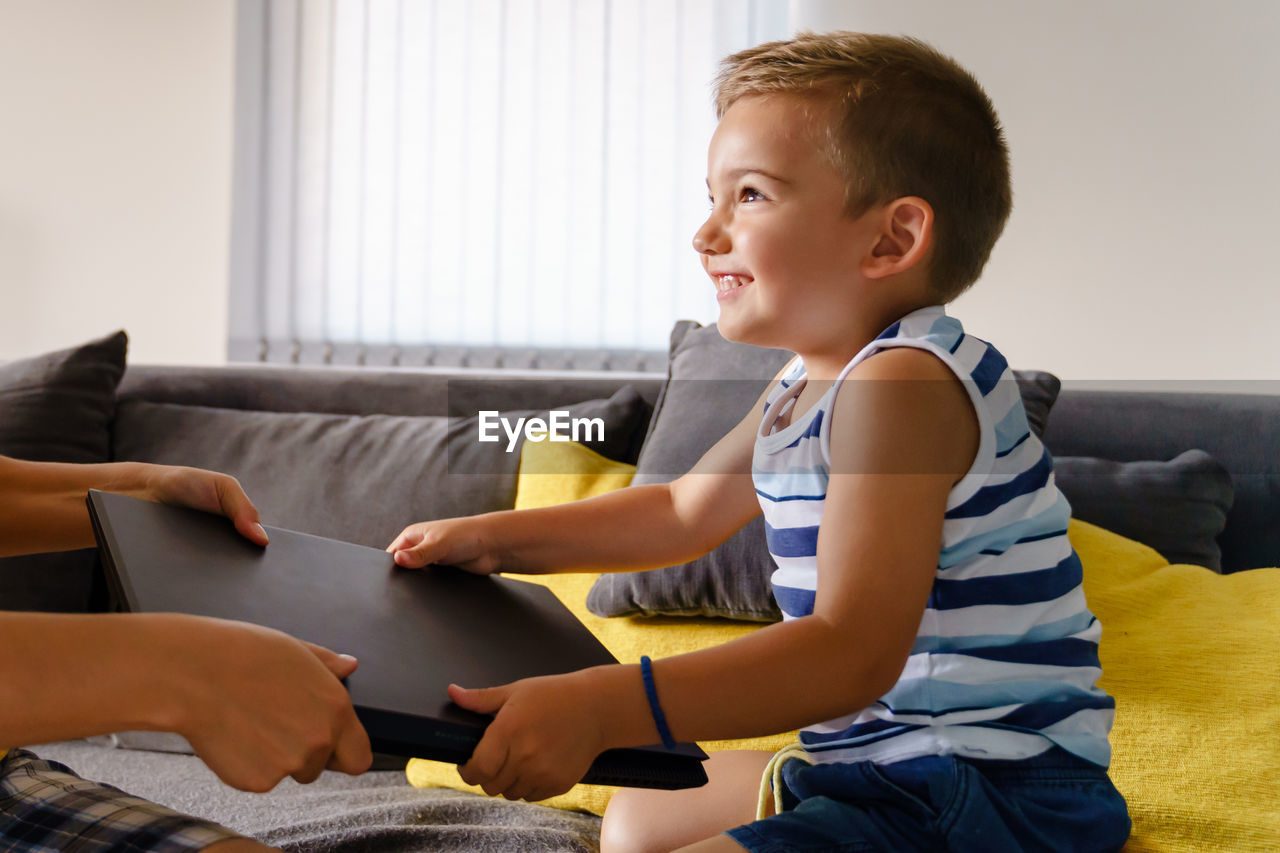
(413, 631)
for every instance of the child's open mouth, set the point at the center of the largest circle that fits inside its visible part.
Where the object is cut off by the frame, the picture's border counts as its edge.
(728, 285)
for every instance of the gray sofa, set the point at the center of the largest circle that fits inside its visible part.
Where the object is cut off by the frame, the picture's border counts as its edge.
(341, 452)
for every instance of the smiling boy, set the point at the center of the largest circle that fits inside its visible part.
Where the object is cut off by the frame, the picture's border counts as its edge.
(936, 648)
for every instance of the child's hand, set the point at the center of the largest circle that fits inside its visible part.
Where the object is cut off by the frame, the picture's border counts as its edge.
(541, 743)
(457, 542)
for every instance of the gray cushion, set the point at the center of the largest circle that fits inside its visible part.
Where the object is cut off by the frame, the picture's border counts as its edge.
(711, 385)
(1177, 507)
(1238, 429)
(360, 478)
(58, 407)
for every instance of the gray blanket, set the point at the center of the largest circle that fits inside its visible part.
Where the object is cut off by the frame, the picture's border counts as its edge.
(378, 812)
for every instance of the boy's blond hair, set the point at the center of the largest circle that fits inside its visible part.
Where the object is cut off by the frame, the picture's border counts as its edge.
(909, 122)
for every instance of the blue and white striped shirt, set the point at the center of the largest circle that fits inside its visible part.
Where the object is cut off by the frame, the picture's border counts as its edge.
(1005, 662)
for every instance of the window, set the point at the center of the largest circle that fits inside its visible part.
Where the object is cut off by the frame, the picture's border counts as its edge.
(490, 181)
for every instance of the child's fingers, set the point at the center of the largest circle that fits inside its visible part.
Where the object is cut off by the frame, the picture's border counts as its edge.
(409, 536)
(519, 789)
(537, 795)
(504, 781)
(414, 556)
(485, 700)
(415, 548)
(486, 762)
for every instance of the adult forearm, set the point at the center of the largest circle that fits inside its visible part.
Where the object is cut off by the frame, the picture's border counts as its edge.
(42, 503)
(68, 676)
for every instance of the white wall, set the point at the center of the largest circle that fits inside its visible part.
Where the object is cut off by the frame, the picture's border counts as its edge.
(1145, 138)
(1144, 134)
(115, 175)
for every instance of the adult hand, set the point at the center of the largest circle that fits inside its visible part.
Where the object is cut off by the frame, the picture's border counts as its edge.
(460, 542)
(208, 491)
(258, 705)
(545, 735)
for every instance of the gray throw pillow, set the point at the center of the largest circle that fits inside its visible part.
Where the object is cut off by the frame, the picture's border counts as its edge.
(1177, 507)
(359, 478)
(710, 386)
(58, 407)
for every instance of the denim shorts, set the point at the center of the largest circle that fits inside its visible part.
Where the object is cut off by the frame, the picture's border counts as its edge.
(1052, 802)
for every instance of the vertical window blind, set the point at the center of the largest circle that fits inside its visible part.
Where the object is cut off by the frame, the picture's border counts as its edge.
(434, 181)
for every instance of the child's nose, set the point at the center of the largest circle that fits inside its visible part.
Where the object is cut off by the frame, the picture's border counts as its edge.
(710, 239)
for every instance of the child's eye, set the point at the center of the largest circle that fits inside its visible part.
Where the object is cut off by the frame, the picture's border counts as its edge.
(751, 194)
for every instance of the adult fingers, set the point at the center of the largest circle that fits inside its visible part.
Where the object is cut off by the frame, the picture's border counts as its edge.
(340, 665)
(312, 768)
(235, 505)
(352, 754)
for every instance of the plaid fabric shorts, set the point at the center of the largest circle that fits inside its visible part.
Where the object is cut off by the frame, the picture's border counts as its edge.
(44, 806)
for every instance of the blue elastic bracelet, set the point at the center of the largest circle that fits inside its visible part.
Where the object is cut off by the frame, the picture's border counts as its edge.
(659, 718)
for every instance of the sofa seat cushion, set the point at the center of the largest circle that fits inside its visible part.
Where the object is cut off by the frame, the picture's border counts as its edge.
(1193, 661)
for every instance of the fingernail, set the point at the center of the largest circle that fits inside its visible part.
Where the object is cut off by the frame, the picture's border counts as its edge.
(348, 658)
(261, 530)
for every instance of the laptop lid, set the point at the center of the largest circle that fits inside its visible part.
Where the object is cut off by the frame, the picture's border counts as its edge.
(413, 631)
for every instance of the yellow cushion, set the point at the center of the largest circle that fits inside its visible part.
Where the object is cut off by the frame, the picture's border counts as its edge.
(1193, 661)
(562, 471)
(587, 474)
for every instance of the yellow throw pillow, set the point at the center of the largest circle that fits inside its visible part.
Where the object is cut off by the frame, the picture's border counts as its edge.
(562, 471)
(582, 473)
(1193, 661)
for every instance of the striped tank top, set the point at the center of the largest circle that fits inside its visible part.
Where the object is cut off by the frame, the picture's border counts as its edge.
(1005, 661)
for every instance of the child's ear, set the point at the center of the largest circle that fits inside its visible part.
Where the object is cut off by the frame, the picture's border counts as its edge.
(906, 234)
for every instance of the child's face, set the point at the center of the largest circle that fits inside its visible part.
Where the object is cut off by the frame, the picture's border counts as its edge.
(778, 245)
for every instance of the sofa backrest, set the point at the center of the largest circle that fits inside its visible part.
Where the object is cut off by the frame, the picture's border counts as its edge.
(373, 391)
(1242, 431)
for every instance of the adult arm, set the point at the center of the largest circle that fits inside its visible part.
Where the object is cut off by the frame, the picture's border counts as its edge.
(255, 704)
(42, 503)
